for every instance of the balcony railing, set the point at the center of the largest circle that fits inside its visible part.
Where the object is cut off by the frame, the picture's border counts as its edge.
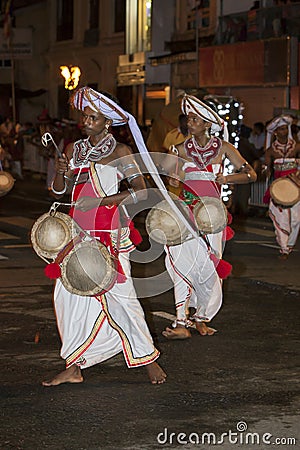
(263, 23)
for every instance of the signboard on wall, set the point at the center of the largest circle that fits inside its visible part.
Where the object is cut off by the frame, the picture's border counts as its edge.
(256, 63)
(21, 44)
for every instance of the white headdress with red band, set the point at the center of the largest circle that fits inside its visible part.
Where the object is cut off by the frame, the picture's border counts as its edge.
(277, 122)
(98, 102)
(192, 104)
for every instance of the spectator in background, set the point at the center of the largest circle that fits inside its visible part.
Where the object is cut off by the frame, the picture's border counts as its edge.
(176, 137)
(46, 125)
(257, 136)
(12, 141)
(241, 192)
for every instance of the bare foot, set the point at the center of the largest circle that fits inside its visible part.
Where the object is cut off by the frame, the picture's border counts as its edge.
(156, 374)
(179, 332)
(70, 375)
(204, 330)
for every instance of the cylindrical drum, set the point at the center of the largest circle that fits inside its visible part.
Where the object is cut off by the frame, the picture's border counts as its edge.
(285, 191)
(164, 226)
(88, 269)
(6, 182)
(210, 215)
(51, 232)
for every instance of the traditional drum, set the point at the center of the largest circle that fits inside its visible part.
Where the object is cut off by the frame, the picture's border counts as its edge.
(6, 182)
(285, 191)
(88, 269)
(210, 215)
(51, 232)
(164, 226)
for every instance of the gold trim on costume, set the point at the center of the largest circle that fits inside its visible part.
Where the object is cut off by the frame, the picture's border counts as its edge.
(130, 359)
(71, 359)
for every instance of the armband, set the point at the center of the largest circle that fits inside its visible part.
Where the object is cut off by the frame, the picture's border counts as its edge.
(133, 195)
(243, 166)
(133, 176)
(58, 192)
(129, 166)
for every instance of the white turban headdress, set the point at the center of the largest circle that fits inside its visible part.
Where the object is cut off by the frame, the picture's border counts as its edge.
(192, 104)
(277, 122)
(100, 103)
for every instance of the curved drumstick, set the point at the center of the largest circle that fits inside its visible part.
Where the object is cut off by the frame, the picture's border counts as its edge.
(46, 139)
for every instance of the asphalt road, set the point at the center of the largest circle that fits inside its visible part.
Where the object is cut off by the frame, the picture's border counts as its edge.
(238, 389)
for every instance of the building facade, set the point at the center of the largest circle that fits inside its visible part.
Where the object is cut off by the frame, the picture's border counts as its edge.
(146, 51)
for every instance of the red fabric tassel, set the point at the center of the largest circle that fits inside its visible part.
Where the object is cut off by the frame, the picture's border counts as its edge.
(135, 235)
(223, 267)
(228, 233)
(229, 218)
(52, 271)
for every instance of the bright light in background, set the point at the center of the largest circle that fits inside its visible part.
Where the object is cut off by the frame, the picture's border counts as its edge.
(71, 75)
(230, 109)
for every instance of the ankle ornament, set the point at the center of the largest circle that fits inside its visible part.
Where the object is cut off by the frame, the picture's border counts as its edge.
(184, 323)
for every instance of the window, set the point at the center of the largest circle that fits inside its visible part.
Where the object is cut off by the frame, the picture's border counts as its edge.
(147, 22)
(94, 14)
(65, 11)
(120, 16)
(198, 13)
(5, 63)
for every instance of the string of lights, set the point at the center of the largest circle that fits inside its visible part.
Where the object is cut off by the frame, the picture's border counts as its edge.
(231, 110)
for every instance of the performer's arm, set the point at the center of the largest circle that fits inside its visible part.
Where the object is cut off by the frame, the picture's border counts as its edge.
(268, 162)
(63, 174)
(245, 172)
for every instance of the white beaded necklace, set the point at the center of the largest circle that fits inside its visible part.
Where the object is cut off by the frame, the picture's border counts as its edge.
(84, 151)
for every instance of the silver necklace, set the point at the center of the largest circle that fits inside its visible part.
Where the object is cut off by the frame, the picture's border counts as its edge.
(84, 151)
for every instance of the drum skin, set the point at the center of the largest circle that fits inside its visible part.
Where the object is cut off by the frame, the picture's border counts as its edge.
(163, 226)
(284, 191)
(210, 215)
(6, 182)
(51, 232)
(88, 269)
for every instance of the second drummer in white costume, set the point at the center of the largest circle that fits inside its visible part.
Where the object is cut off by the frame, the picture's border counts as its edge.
(282, 159)
(193, 265)
(95, 328)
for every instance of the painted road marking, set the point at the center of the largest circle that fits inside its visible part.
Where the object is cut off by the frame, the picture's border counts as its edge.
(252, 242)
(164, 315)
(16, 246)
(20, 221)
(7, 236)
(253, 230)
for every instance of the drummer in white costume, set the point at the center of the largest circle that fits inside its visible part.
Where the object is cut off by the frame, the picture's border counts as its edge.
(282, 158)
(95, 328)
(193, 265)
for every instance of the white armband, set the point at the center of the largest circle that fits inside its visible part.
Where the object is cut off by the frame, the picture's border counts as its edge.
(58, 192)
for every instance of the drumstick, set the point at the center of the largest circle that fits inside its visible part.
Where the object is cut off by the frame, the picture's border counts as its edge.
(46, 138)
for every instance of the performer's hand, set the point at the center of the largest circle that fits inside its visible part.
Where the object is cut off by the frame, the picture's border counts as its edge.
(174, 180)
(62, 165)
(221, 179)
(85, 204)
